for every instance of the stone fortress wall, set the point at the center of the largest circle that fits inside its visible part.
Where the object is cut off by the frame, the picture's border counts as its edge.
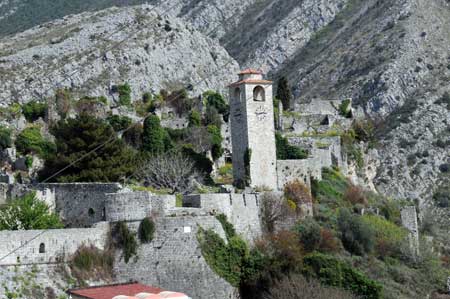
(78, 204)
(51, 246)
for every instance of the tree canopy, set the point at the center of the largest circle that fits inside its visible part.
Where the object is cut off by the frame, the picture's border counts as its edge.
(76, 140)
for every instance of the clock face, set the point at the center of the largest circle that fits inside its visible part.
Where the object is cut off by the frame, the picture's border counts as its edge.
(261, 113)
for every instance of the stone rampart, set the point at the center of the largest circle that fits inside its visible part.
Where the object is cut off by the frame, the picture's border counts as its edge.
(136, 205)
(242, 210)
(173, 260)
(49, 246)
(78, 204)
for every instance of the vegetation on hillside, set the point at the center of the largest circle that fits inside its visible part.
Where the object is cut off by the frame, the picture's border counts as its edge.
(27, 213)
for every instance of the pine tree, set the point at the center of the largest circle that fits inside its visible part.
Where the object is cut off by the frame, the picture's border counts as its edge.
(284, 92)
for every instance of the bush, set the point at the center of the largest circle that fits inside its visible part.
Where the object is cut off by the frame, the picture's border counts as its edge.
(212, 117)
(330, 271)
(30, 141)
(309, 234)
(195, 119)
(296, 286)
(27, 213)
(345, 108)
(109, 159)
(331, 188)
(216, 138)
(124, 94)
(388, 236)
(442, 198)
(355, 195)
(91, 263)
(133, 136)
(233, 261)
(217, 101)
(5, 138)
(119, 123)
(146, 230)
(298, 193)
(125, 240)
(357, 236)
(180, 100)
(285, 151)
(34, 110)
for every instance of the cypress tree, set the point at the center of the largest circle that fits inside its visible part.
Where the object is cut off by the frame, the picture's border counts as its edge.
(284, 92)
(154, 135)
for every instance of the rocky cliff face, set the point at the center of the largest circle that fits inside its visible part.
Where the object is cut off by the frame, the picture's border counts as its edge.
(91, 52)
(390, 57)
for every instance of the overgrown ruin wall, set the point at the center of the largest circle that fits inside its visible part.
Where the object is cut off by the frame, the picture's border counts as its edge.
(78, 204)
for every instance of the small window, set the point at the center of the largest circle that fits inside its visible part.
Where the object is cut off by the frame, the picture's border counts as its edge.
(91, 212)
(259, 94)
(237, 93)
(42, 248)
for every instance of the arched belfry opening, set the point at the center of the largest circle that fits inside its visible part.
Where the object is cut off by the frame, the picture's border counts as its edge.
(42, 248)
(259, 94)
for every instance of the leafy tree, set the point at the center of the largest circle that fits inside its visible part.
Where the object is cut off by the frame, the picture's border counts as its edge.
(284, 92)
(100, 155)
(154, 135)
(28, 213)
(212, 117)
(34, 110)
(5, 137)
(125, 239)
(309, 233)
(217, 101)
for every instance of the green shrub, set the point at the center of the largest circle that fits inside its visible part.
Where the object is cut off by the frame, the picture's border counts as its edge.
(357, 236)
(202, 163)
(230, 232)
(309, 234)
(285, 151)
(212, 117)
(124, 94)
(146, 230)
(233, 261)
(217, 101)
(180, 100)
(330, 271)
(331, 188)
(388, 236)
(195, 119)
(147, 97)
(30, 141)
(216, 138)
(345, 109)
(34, 110)
(5, 137)
(125, 239)
(27, 213)
(119, 123)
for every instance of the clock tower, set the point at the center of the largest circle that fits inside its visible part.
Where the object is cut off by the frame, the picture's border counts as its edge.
(253, 131)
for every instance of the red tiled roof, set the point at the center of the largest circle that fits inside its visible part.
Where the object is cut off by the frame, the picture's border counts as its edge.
(251, 81)
(110, 291)
(250, 71)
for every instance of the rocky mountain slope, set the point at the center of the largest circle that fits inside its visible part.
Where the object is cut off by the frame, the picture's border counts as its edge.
(91, 52)
(391, 57)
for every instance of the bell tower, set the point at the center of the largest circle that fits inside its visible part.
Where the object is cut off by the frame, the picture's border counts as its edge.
(253, 131)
